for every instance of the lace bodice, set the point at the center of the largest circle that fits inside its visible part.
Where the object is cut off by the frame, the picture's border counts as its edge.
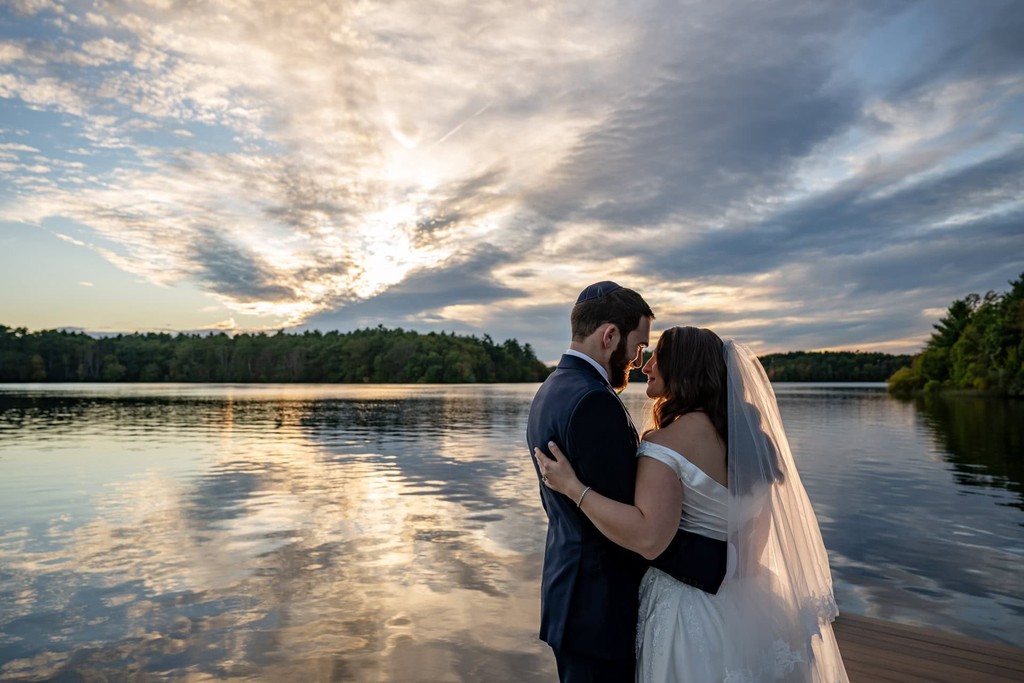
(705, 501)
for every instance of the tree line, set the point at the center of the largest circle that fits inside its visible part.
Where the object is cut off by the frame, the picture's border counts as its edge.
(820, 366)
(373, 355)
(832, 366)
(977, 345)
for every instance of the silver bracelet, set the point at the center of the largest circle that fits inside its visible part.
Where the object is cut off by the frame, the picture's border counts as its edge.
(580, 501)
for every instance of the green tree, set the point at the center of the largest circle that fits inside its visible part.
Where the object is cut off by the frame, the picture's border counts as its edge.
(978, 345)
(367, 355)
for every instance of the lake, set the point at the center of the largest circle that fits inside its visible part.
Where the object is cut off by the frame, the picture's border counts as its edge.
(394, 533)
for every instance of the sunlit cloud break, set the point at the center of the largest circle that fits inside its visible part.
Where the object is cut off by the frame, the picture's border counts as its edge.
(472, 165)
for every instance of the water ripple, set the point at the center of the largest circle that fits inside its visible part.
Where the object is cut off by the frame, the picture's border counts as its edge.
(394, 533)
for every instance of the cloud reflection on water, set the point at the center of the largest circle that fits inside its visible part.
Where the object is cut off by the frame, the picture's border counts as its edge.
(318, 540)
(393, 533)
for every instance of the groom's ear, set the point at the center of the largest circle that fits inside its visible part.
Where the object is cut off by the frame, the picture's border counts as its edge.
(608, 335)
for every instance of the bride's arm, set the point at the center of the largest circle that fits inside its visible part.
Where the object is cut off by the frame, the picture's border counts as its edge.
(647, 527)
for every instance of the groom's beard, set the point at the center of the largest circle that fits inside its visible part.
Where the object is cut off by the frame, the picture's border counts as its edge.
(618, 366)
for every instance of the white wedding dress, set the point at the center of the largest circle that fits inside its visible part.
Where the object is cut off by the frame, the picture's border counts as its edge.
(752, 630)
(681, 630)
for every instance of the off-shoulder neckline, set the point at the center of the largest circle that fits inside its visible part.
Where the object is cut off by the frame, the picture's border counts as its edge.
(687, 461)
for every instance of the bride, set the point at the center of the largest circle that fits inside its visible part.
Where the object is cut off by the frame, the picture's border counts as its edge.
(718, 452)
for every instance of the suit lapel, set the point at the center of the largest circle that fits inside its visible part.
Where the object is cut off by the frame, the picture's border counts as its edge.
(568, 362)
(632, 425)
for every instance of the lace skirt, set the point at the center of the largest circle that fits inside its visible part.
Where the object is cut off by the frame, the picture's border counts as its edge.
(682, 637)
(680, 633)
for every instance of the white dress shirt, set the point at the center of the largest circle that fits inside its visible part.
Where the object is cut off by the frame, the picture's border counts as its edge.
(580, 354)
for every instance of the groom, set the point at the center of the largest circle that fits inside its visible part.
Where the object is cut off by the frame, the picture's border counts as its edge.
(590, 586)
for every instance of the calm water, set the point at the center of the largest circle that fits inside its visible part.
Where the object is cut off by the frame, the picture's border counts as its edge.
(393, 533)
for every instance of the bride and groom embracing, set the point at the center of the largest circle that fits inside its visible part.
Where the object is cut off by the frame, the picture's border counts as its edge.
(690, 555)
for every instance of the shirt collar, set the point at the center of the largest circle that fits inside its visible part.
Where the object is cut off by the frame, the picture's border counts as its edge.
(597, 366)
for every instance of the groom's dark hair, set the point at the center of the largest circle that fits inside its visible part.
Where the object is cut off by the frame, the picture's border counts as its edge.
(621, 306)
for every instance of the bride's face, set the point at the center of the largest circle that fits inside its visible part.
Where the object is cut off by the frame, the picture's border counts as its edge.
(655, 382)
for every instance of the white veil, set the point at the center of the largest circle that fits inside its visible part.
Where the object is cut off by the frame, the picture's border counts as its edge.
(780, 609)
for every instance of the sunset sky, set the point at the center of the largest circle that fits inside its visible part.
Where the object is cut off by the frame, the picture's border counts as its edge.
(796, 174)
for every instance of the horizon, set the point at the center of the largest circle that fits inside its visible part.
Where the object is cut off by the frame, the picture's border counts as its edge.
(832, 181)
(233, 333)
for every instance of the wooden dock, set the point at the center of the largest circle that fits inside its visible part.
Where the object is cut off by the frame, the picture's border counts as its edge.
(875, 650)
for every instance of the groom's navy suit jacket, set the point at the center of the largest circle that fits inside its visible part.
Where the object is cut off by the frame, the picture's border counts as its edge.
(590, 586)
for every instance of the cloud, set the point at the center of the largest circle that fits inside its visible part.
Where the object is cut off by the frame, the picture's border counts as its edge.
(977, 45)
(471, 167)
(43, 93)
(421, 300)
(710, 125)
(232, 272)
(104, 51)
(859, 216)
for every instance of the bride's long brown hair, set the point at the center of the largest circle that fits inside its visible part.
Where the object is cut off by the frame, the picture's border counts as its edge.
(691, 362)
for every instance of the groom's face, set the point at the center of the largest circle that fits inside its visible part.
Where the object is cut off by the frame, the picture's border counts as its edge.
(629, 354)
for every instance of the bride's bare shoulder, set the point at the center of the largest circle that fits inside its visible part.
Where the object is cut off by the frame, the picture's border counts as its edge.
(657, 436)
(694, 436)
(690, 425)
(682, 430)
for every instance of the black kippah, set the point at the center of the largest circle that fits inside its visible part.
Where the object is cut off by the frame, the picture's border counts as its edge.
(597, 290)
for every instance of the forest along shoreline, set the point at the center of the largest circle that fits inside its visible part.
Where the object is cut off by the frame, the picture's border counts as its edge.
(978, 347)
(369, 356)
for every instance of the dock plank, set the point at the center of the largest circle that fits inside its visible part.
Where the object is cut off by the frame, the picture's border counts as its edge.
(876, 650)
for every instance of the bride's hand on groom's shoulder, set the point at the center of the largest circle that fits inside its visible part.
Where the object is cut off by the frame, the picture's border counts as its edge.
(555, 470)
